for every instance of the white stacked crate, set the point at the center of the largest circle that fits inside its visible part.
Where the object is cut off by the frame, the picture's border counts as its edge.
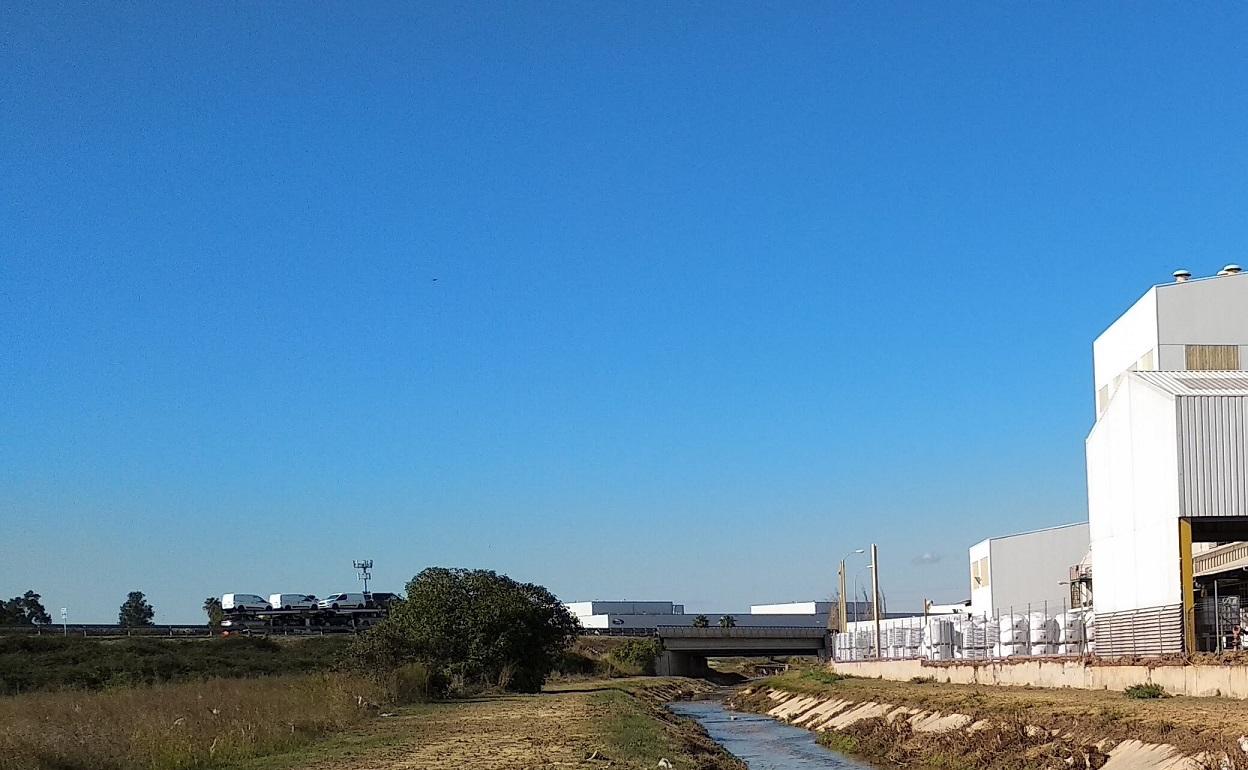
(979, 638)
(1013, 636)
(938, 639)
(1070, 632)
(1043, 634)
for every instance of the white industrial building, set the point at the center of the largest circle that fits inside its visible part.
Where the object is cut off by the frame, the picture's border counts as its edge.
(641, 617)
(587, 609)
(1026, 572)
(1167, 459)
(792, 608)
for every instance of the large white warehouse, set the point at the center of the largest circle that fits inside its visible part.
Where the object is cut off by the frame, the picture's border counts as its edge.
(1167, 459)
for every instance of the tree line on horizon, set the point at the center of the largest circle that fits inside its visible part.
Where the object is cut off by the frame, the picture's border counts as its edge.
(28, 610)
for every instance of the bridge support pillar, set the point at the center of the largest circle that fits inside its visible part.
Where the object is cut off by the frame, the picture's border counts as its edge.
(677, 663)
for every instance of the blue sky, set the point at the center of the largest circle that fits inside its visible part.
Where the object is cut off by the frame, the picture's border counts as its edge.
(722, 291)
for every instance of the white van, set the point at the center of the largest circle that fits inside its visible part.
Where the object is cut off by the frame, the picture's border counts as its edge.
(293, 601)
(343, 602)
(241, 602)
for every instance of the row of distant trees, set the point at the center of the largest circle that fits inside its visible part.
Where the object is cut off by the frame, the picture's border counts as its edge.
(725, 621)
(28, 610)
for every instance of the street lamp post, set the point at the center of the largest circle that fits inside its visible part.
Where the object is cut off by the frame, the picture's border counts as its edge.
(841, 588)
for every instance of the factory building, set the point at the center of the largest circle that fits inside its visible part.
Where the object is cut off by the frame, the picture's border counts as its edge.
(1026, 572)
(1167, 460)
(585, 609)
(628, 617)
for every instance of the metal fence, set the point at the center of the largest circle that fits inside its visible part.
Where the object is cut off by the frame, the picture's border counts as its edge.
(1030, 631)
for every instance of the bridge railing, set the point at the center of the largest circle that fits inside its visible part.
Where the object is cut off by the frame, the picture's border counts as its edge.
(743, 632)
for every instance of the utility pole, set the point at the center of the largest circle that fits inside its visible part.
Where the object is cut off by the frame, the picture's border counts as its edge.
(841, 609)
(875, 596)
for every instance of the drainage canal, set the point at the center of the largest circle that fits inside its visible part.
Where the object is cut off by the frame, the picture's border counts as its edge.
(762, 742)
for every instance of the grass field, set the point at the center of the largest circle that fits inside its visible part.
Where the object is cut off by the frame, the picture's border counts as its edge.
(317, 721)
(35, 663)
(187, 725)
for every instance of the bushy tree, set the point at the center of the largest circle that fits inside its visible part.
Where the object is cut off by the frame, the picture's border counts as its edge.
(475, 627)
(212, 608)
(135, 612)
(24, 610)
(727, 621)
(701, 621)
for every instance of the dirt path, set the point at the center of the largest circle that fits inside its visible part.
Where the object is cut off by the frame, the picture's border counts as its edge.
(616, 725)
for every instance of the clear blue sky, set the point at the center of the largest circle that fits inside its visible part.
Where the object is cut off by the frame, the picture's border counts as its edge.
(722, 291)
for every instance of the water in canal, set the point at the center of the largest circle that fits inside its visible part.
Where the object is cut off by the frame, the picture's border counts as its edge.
(762, 742)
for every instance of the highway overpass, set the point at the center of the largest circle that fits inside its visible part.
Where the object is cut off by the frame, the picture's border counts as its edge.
(686, 649)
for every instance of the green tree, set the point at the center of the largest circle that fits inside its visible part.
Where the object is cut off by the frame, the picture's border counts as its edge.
(135, 612)
(727, 621)
(212, 608)
(473, 626)
(24, 610)
(701, 621)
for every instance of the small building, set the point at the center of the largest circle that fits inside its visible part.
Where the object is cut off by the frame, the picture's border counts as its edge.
(1026, 572)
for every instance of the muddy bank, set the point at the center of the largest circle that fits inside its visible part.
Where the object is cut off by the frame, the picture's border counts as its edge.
(902, 731)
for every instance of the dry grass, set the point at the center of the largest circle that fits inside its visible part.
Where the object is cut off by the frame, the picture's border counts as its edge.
(190, 725)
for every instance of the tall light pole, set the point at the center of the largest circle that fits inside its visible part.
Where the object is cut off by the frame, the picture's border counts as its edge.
(841, 609)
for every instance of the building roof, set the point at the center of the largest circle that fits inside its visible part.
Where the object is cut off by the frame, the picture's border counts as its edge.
(1197, 383)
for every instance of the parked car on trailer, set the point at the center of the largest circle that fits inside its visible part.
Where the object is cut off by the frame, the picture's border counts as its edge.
(293, 601)
(244, 602)
(347, 601)
(384, 599)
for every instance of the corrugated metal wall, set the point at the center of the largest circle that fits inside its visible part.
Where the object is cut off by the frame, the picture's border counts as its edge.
(1148, 631)
(1213, 455)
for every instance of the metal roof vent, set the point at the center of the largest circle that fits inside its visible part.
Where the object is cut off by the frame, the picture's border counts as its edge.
(1230, 270)
(1182, 275)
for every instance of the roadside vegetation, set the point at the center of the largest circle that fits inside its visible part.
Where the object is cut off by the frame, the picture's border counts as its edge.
(37, 663)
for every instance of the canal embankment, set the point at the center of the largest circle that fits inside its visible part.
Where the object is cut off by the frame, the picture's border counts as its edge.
(978, 727)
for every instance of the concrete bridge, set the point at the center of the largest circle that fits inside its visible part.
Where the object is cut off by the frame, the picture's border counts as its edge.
(686, 649)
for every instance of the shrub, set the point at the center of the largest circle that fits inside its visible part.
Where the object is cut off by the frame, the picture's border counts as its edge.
(415, 683)
(821, 676)
(1145, 690)
(576, 663)
(922, 680)
(635, 656)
